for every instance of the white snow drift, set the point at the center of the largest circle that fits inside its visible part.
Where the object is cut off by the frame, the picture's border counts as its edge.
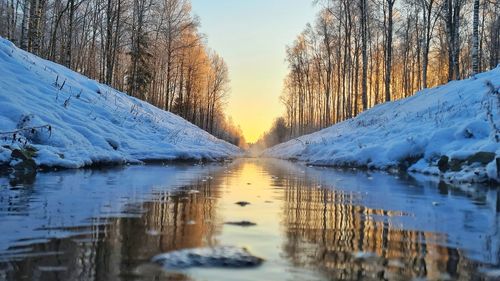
(451, 130)
(86, 122)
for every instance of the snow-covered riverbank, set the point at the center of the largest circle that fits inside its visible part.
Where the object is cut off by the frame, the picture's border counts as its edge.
(61, 118)
(452, 131)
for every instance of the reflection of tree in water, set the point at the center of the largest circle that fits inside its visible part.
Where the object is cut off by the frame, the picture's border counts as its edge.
(14, 196)
(325, 230)
(114, 248)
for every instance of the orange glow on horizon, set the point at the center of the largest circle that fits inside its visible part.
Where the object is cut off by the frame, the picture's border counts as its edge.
(254, 48)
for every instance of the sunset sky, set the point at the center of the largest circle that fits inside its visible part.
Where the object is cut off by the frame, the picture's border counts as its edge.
(251, 36)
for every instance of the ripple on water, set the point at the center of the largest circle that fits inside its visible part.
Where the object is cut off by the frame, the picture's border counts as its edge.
(325, 224)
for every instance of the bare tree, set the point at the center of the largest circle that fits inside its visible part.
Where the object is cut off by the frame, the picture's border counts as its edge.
(363, 7)
(369, 51)
(475, 39)
(388, 49)
(36, 25)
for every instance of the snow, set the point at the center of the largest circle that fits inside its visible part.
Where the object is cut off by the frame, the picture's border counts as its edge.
(90, 123)
(457, 120)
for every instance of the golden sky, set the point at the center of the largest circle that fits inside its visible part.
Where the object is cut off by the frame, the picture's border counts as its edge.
(251, 36)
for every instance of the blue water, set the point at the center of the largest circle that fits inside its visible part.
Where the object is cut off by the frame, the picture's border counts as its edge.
(311, 223)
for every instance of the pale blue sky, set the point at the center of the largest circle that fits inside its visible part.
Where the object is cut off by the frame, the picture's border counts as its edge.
(251, 36)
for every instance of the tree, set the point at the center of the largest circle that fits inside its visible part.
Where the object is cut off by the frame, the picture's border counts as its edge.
(278, 133)
(36, 25)
(139, 74)
(429, 23)
(176, 15)
(217, 88)
(69, 41)
(388, 49)
(113, 31)
(324, 23)
(363, 7)
(150, 48)
(452, 10)
(475, 38)
(24, 26)
(349, 60)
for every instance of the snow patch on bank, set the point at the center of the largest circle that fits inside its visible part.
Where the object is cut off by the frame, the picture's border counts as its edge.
(81, 122)
(450, 130)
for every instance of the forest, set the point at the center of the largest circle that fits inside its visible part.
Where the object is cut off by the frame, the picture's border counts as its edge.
(353, 56)
(150, 49)
(357, 54)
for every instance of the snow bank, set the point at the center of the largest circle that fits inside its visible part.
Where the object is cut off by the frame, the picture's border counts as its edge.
(80, 122)
(451, 130)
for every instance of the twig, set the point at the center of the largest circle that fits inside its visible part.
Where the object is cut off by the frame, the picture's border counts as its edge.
(48, 127)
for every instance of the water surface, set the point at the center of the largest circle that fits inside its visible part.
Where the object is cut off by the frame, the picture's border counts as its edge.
(311, 223)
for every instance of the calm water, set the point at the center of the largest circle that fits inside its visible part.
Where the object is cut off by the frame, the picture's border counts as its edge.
(312, 224)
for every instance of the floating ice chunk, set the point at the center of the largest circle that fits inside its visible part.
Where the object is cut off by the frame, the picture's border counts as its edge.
(221, 256)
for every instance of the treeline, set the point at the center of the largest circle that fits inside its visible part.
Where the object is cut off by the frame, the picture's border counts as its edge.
(151, 49)
(364, 52)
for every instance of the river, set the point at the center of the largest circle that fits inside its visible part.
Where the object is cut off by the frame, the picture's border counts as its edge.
(312, 223)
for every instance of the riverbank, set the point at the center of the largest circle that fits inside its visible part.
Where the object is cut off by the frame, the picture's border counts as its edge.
(54, 117)
(450, 131)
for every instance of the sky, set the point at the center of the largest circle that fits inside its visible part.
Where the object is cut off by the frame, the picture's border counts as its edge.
(251, 36)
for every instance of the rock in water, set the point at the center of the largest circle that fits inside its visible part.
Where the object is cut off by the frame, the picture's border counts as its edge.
(241, 223)
(221, 256)
(242, 203)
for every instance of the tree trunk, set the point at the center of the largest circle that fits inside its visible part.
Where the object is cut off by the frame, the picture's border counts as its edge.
(475, 38)
(69, 43)
(24, 26)
(388, 58)
(108, 45)
(452, 8)
(35, 31)
(364, 19)
(427, 40)
(456, 45)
